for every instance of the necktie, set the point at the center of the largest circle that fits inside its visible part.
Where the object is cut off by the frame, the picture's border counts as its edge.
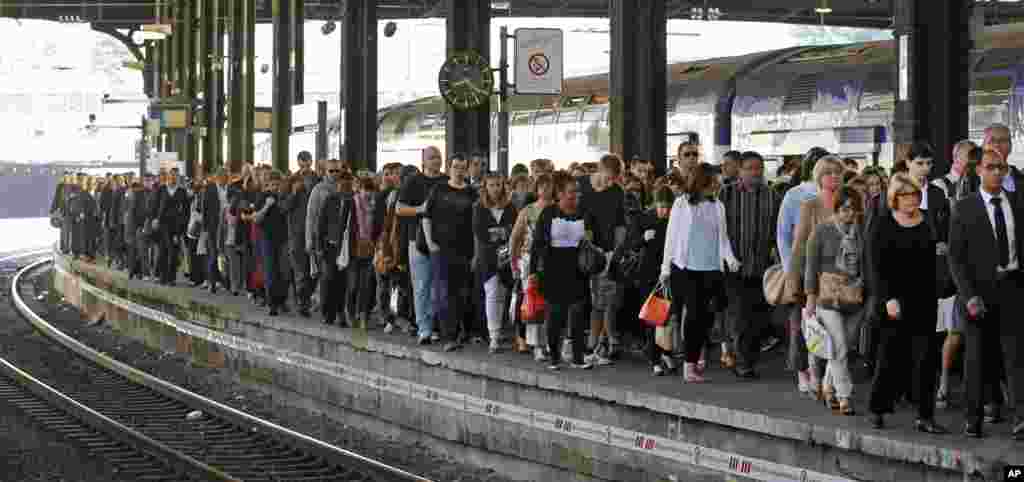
(1001, 235)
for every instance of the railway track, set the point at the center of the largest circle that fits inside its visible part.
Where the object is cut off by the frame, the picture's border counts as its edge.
(153, 430)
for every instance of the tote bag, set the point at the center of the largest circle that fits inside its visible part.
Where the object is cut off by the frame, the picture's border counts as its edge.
(655, 310)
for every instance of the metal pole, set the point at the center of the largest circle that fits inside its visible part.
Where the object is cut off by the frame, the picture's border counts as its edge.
(283, 84)
(503, 103)
(321, 130)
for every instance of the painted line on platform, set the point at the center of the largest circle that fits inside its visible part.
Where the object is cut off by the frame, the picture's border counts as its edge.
(674, 450)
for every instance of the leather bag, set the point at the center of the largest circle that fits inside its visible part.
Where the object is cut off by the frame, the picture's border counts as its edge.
(778, 289)
(835, 290)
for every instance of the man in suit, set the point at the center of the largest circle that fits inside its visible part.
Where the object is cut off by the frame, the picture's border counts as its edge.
(985, 245)
(172, 214)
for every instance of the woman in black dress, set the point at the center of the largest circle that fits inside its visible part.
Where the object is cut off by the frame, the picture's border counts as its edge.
(554, 265)
(902, 255)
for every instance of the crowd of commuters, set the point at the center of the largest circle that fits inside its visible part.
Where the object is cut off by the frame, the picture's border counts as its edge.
(448, 254)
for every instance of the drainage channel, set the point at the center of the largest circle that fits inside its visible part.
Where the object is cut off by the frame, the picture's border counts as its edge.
(145, 424)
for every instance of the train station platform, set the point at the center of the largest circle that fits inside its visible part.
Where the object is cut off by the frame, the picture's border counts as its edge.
(611, 423)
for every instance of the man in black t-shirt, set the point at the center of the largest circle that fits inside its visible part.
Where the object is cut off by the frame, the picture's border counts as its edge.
(604, 200)
(448, 233)
(412, 197)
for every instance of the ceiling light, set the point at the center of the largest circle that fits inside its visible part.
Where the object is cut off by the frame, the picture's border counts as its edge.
(823, 7)
(501, 5)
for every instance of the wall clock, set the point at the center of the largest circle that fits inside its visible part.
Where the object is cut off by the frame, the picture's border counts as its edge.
(466, 80)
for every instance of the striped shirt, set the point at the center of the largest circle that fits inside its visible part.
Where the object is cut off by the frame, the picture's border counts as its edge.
(750, 221)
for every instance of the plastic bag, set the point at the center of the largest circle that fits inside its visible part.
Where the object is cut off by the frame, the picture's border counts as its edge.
(817, 338)
(656, 309)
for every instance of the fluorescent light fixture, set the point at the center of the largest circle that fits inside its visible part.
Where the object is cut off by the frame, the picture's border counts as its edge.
(823, 7)
(140, 36)
(501, 5)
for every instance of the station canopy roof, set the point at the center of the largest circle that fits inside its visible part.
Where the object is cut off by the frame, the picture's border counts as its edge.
(117, 14)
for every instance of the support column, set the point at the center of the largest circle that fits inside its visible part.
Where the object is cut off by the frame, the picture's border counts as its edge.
(638, 80)
(284, 88)
(359, 85)
(236, 96)
(469, 28)
(249, 80)
(932, 76)
(185, 32)
(213, 31)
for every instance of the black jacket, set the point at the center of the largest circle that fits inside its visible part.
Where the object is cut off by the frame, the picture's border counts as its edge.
(487, 245)
(337, 208)
(172, 210)
(294, 206)
(973, 249)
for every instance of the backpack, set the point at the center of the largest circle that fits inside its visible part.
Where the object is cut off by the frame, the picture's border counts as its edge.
(386, 255)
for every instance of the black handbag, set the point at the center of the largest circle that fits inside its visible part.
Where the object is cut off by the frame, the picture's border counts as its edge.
(625, 266)
(592, 260)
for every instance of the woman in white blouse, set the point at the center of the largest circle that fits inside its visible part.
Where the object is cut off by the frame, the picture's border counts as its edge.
(696, 248)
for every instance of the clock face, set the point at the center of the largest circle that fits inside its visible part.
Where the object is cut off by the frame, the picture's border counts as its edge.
(466, 80)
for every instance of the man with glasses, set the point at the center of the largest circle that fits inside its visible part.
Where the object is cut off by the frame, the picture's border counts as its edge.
(998, 138)
(412, 197)
(688, 155)
(987, 229)
(332, 288)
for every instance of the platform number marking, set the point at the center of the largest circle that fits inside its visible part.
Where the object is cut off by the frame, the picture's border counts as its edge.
(644, 443)
(739, 465)
(563, 425)
(432, 395)
(492, 409)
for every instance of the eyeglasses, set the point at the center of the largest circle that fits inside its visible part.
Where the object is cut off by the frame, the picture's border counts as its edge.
(996, 167)
(693, 155)
(923, 162)
(333, 171)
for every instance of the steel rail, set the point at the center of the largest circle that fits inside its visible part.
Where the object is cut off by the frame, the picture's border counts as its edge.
(312, 446)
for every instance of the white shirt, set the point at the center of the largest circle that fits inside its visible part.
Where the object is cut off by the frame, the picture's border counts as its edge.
(924, 197)
(1008, 214)
(677, 236)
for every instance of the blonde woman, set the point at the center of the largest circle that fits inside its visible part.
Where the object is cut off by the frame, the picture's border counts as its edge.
(827, 173)
(493, 218)
(902, 267)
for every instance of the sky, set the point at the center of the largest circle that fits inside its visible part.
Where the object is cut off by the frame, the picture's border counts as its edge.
(52, 75)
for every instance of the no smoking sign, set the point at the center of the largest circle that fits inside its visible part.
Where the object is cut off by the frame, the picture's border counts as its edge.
(539, 64)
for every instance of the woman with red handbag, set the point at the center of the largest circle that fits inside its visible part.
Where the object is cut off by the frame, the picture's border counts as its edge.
(520, 243)
(647, 236)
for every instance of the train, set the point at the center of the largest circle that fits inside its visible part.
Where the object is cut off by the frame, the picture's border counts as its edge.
(779, 103)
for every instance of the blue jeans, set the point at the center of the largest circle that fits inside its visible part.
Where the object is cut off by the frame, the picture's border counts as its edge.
(452, 288)
(422, 274)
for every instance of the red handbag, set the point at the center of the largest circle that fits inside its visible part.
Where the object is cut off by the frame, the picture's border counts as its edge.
(655, 311)
(533, 303)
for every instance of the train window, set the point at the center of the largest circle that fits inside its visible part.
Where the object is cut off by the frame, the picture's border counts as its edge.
(989, 102)
(544, 117)
(594, 114)
(568, 116)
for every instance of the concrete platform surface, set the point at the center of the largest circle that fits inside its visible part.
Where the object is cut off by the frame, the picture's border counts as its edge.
(769, 407)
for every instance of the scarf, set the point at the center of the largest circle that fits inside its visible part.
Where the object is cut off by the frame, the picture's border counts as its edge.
(848, 259)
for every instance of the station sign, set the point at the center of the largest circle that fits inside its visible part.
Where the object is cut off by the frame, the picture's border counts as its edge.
(538, 61)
